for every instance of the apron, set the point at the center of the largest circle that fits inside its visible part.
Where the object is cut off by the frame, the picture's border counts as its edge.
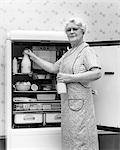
(78, 122)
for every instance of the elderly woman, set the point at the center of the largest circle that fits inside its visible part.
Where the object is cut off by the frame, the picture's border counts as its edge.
(77, 68)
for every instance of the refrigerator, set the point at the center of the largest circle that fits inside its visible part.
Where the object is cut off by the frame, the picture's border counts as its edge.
(32, 102)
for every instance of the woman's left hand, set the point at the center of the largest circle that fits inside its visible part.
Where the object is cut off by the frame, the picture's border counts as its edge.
(63, 77)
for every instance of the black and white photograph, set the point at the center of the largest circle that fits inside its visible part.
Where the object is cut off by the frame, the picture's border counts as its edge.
(59, 75)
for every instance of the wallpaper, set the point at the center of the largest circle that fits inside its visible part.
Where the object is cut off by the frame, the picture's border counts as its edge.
(102, 19)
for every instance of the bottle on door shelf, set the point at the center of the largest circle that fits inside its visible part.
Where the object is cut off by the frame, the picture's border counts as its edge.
(15, 67)
(26, 64)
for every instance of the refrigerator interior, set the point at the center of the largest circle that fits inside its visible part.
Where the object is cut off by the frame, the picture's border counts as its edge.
(40, 105)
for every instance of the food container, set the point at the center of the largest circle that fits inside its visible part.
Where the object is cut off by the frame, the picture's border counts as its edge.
(23, 86)
(46, 106)
(46, 96)
(27, 106)
(47, 87)
(53, 117)
(34, 87)
(27, 118)
(24, 99)
(41, 76)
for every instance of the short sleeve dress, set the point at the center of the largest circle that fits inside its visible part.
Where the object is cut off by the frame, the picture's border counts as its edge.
(78, 123)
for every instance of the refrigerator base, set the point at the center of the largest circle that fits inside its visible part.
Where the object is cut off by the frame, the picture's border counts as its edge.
(32, 141)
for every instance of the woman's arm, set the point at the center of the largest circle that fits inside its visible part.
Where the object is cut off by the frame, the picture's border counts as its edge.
(84, 77)
(49, 67)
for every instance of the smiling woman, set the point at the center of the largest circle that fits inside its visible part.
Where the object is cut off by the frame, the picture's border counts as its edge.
(79, 22)
(75, 29)
(77, 68)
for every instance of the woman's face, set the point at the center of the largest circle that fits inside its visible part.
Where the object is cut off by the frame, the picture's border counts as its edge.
(74, 32)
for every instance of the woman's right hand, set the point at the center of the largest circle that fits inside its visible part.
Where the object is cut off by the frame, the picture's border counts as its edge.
(30, 54)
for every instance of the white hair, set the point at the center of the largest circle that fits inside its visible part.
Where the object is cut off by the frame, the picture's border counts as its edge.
(78, 21)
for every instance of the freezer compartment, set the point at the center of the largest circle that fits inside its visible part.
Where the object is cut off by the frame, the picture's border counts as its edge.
(28, 118)
(53, 117)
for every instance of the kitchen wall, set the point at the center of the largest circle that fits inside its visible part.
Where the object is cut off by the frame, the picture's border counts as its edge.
(102, 18)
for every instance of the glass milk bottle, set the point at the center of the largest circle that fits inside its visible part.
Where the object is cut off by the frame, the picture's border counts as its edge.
(61, 88)
(15, 67)
(26, 64)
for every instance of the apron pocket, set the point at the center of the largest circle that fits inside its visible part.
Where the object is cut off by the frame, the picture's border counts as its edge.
(75, 104)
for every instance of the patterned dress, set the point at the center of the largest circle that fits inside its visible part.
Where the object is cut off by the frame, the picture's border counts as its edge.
(78, 122)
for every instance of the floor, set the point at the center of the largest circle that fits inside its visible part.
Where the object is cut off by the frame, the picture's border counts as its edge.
(106, 142)
(2, 144)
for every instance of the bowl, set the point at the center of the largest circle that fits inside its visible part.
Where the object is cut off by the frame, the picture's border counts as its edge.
(23, 86)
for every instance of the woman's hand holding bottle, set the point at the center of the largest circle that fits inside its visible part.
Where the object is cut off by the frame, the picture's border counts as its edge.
(30, 54)
(63, 77)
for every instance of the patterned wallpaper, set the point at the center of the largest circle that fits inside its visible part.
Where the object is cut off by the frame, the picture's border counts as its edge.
(102, 18)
